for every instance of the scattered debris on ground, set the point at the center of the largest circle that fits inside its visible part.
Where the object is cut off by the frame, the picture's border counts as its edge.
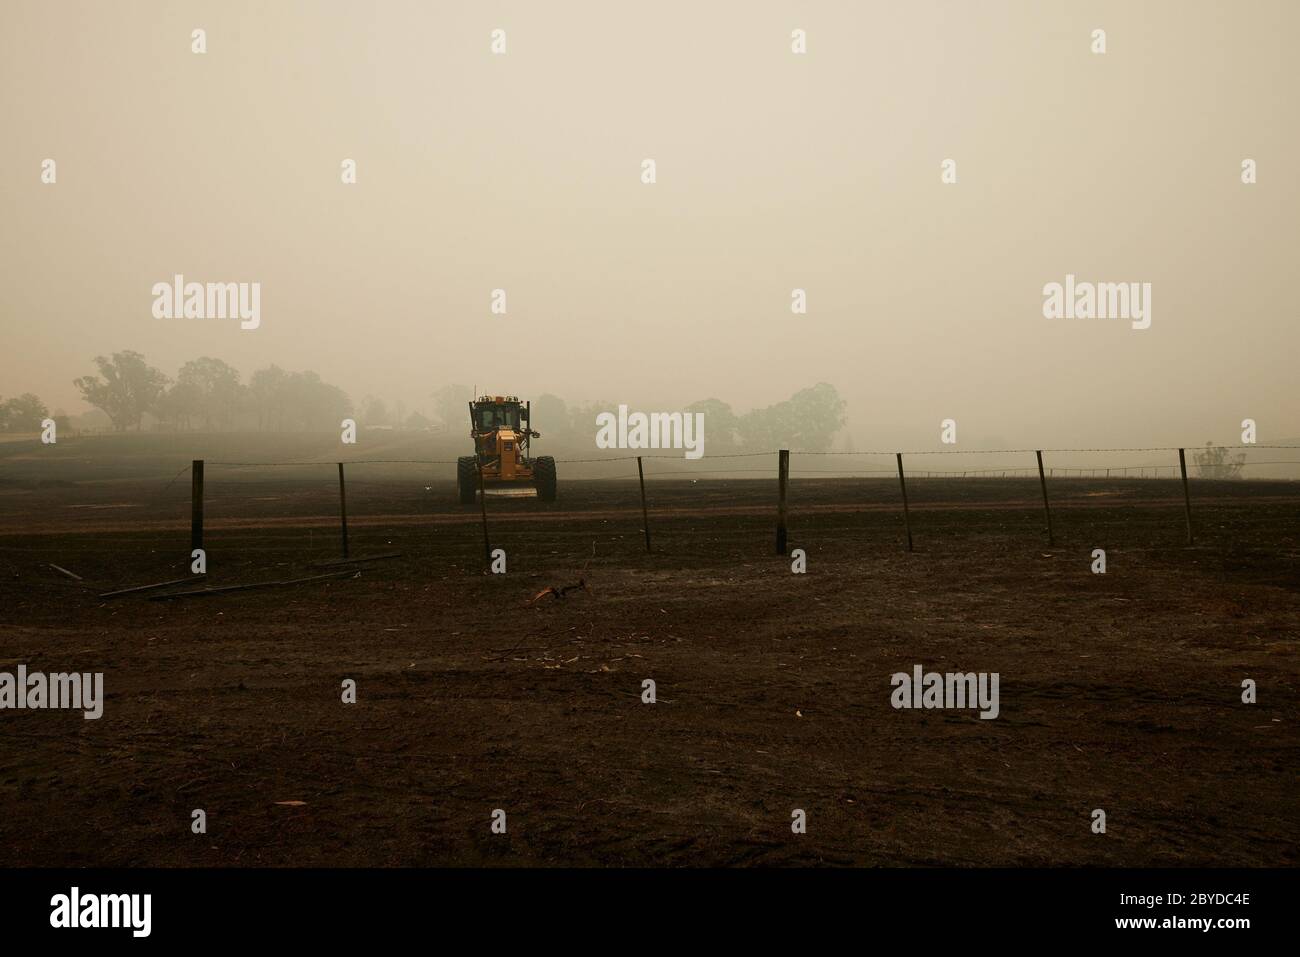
(579, 585)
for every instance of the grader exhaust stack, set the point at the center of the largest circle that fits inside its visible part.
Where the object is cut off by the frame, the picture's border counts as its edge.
(501, 427)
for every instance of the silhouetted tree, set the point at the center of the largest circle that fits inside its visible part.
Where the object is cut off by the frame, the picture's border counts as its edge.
(211, 389)
(24, 413)
(295, 401)
(1215, 463)
(313, 405)
(808, 420)
(267, 394)
(180, 405)
(720, 425)
(130, 387)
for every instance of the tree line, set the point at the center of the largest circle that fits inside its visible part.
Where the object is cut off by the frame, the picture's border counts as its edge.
(211, 395)
(208, 393)
(807, 420)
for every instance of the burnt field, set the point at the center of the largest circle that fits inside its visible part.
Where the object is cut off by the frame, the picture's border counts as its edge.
(1119, 691)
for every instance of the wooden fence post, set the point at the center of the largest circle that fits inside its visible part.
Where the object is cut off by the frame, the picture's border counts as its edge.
(907, 515)
(645, 518)
(196, 504)
(1047, 509)
(783, 480)
(482, 498)
(343, 509)
(1187, 497)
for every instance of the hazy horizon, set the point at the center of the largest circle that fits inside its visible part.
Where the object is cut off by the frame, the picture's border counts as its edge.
(775, 171)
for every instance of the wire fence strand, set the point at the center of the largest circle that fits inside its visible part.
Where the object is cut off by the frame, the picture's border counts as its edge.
(744, 455)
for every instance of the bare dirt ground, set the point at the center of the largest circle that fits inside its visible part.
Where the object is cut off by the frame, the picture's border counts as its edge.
(1119, 691)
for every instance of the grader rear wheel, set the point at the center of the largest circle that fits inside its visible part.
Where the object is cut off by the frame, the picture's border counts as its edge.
(544, 478)
(467, 478)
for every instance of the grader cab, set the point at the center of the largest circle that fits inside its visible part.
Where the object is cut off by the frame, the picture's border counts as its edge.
(500, 426)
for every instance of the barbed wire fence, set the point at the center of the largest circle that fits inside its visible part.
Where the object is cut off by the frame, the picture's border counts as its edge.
(1043, 471)
(327, 481)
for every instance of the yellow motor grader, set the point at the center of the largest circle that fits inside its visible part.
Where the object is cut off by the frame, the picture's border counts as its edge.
(500, 426)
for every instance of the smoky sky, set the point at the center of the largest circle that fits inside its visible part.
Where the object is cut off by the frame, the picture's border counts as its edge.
(775, 171)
